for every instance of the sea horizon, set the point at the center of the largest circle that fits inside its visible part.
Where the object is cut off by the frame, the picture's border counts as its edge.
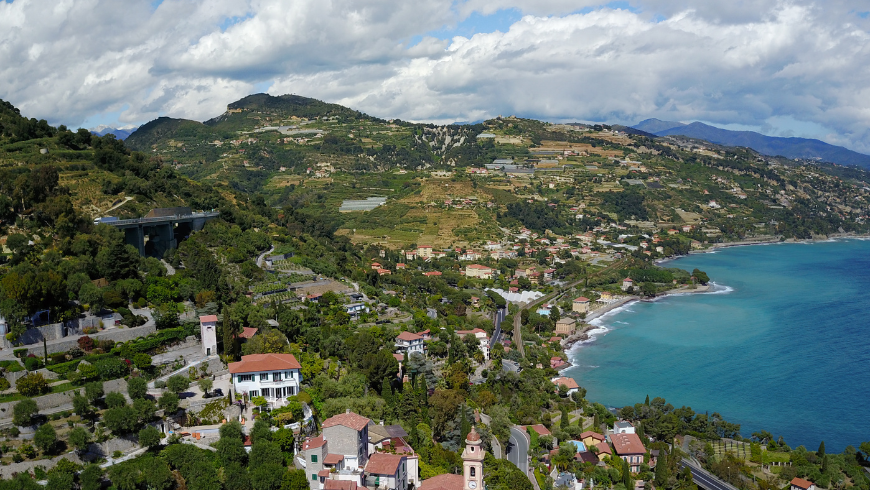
(778, 343)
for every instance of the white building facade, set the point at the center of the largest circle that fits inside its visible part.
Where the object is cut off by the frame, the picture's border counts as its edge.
(272, 376)
(208, 334)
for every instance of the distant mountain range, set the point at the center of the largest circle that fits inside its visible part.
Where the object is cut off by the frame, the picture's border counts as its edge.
(120, 133)
(767, 145)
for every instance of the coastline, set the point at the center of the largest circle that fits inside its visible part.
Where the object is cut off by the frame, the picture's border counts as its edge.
(590, 331)
(588, 334)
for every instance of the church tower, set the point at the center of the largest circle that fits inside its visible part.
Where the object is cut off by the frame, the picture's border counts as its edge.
(472, 462)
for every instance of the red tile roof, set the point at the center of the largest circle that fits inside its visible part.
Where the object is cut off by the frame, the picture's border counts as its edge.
(264, 362)
(603, 448)
(248, 332)
(383, 463)
(446, 481)
(591, 434)
(314, 442)
(627, 444)
(540, 429)
(801, 483)
(333, 458)
(208, 318)
(478, 266)
(408, 336)
(399, 357)
(433, 273)
(581, 299)
(347, 419)
(339, 485)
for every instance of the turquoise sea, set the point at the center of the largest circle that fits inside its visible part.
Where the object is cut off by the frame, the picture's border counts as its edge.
(783, 344)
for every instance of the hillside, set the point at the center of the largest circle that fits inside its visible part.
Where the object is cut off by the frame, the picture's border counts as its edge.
(803, 148)
(312, 155)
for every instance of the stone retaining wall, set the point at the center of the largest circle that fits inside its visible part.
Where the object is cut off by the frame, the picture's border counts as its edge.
(54, 400)
(116, 334)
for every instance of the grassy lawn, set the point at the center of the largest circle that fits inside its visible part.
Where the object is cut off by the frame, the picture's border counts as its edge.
(775, 457)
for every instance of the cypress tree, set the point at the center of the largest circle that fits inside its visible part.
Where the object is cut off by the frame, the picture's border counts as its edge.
(465, 426)
(626, 475)
(564, 421)
(662, 473)
(821, 452)
(387, 392)
(647, 401)
(596, 423)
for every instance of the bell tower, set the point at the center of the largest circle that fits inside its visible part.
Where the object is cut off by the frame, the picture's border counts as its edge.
(472, 462)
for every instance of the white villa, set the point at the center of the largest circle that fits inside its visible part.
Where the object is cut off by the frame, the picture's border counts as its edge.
(273, 376)
(410, 342)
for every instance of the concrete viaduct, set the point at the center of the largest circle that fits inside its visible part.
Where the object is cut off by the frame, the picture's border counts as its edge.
(161, 229)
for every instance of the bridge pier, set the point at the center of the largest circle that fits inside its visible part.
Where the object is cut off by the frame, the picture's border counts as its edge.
(153, 236)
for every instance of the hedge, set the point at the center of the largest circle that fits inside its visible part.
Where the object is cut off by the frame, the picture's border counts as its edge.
(11, 366)
(64, 367)
(152, 341)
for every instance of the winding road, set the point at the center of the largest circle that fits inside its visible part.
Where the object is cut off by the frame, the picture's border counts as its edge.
(518, 449)
(704, 478)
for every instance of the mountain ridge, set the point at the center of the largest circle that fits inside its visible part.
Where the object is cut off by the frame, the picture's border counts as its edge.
(803, 148)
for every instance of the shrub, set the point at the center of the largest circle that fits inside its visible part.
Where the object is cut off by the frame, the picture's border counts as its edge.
(142, 361)
(27, 451)
(137, 388)
(33, 384)
(45, 438)
(111, 368)
(11, 366)
(19, 353)
(86, 343)
(4, 384)
(23, 412)
(178, 383)
(64, 367)
(32, 363)
(160, 384)
(88, 371)
(115, 400)
(149, 437)
(169, 402)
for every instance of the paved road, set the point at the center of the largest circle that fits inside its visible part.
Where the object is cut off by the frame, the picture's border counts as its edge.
(517, 336)
(705, 479)
(263, 256)
(518, 450)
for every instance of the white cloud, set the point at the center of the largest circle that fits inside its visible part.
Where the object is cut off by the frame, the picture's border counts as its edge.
(775, 64)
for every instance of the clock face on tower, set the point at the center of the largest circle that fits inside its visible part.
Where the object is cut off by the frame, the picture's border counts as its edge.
(472, 484)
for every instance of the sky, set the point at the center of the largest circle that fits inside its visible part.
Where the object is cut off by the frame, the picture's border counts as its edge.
(780, 67)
